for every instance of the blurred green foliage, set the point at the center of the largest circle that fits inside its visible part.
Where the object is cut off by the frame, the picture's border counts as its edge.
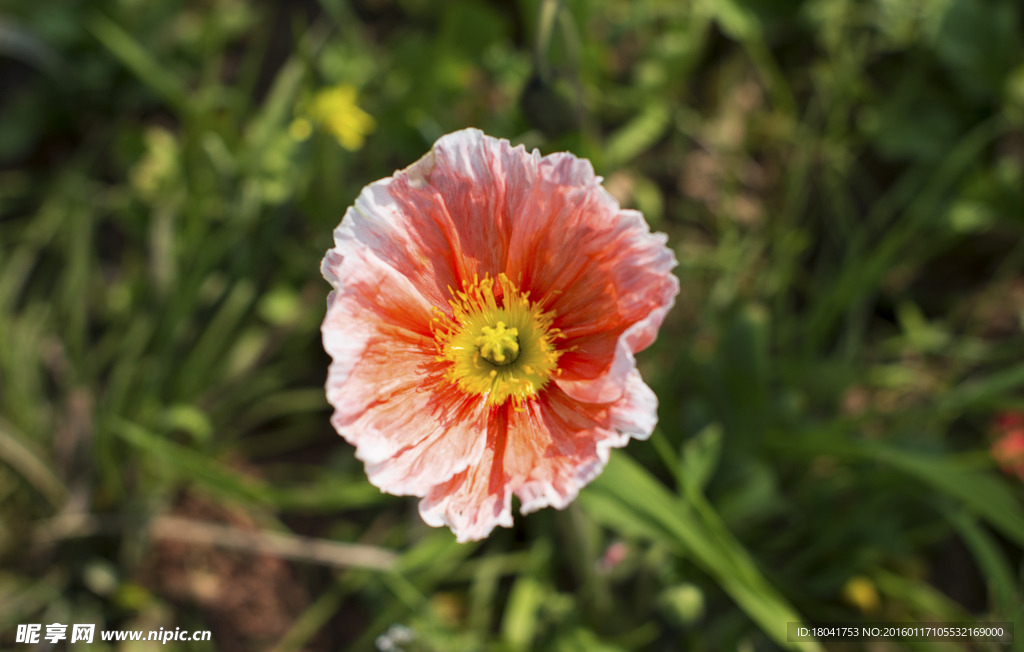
(842, 181)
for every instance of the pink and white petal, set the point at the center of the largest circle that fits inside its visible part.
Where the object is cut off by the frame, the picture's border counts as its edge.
(636, 414)
(405, 231)
(610, 296)
(475, 501)
(468, 505)
(438, 222)
(544, 455)
(445, 432)
(473, 175)
(476, 205)
(409, 425)
(461, 209)
(574, 441)
(374, 310)
(590, 374)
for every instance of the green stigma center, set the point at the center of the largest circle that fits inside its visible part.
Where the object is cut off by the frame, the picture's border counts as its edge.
(499, 344)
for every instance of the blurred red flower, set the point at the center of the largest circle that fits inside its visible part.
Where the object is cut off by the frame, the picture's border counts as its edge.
(1008, 448)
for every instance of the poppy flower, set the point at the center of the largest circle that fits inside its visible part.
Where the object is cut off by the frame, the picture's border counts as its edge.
(487, 304)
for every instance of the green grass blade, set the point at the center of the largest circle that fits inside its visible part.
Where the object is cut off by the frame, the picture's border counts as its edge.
(991, 561)
(711, 546)
(982, 493)
(133, 55)
(188, 464)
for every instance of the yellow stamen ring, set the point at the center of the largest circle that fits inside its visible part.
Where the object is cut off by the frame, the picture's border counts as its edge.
(499, 344)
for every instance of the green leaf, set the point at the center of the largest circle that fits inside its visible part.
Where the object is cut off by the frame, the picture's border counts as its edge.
(434, 555)
(638, 135)
(190, 465)
(616, 515)
(982, 493)
(698, 533)
(312, 620)
(700, 457)
(30, 463)
(979, 43)
(983, 391)
(736, 20)
(991, 561)
(926, 601)
(139, 60)
(519, 625)
(743, 363)
(217, 341)
(277, 109)
(327, 494)
(584, 640)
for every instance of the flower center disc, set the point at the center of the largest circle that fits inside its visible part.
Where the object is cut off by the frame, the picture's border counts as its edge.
(499, 344)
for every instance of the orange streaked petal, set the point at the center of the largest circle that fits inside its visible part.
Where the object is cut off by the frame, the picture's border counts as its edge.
(544, 455)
